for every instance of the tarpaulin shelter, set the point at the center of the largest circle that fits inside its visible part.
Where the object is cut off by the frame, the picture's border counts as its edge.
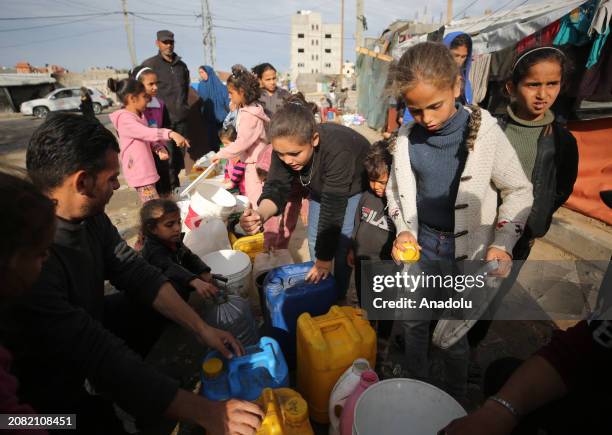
(580, 27)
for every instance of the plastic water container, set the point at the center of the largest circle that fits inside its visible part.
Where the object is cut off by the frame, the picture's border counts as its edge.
(287, 295)
(209, 236)
(368, 378)
(209, 200)
(250, 245)
(235, 266)
(405, 406)
(265, 262)
(327, 345)
(244, 377)
(242, 203)
(233, 314)
(342, 390)
(286, 413)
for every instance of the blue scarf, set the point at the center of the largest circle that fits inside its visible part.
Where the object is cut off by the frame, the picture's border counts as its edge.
(214, 94)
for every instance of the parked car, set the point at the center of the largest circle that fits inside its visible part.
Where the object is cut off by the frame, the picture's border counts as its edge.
(63, 99)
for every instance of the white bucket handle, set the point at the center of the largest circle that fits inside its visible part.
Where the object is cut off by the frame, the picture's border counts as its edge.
(195, 182)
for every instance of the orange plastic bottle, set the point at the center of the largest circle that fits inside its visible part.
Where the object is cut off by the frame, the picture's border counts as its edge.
(286, 413)
(326, 346)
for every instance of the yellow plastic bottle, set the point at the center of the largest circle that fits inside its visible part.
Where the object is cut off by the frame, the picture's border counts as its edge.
(250, 245)
(326, 346)
(286, 413)
(411, 253)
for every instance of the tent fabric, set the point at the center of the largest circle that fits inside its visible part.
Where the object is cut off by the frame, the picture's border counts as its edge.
(479, 76)
(575, 25)
(503, 28)
(540, 38)
(372, 79)
(601, 21)
(596, 83)
(594, 168)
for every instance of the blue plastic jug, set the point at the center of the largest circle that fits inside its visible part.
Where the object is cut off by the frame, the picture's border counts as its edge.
(262, 366)
(287, 295)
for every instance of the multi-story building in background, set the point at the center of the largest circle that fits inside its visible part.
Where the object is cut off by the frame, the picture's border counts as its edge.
(315, 46)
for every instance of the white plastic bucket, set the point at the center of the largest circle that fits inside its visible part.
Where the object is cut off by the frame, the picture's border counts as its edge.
(235, 266)
(208, 200)
(404, 406)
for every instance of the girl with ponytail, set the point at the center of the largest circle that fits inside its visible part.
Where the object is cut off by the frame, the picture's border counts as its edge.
(327, 160)
(137, 139)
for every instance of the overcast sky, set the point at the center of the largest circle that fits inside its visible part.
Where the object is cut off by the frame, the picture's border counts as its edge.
(80, 42)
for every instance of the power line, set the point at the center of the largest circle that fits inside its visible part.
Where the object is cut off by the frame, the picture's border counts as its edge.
(97, 14)
(164, 22)
(94, 14)
(464, 9)
(17, 29)
(42, 41)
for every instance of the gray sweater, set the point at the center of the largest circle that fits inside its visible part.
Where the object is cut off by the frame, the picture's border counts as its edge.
(438, 159)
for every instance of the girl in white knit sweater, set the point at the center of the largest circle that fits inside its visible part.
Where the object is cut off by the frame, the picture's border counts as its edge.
(450, 167)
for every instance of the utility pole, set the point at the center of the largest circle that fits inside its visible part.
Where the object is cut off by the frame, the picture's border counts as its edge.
(128, 31)
(208, 36)
(449, 11)
(360, 24)
(341, 38)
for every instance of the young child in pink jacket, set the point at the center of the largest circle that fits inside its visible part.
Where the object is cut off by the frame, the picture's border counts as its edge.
(244, 91)
(137, 139)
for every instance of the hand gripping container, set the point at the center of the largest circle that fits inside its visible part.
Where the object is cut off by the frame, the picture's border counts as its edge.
(326, 346)
(286, 413)
(244, 377)
(287, 295)
(232, 313)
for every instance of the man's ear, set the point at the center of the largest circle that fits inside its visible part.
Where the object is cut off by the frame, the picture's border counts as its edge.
(316, 139)
(84, 183)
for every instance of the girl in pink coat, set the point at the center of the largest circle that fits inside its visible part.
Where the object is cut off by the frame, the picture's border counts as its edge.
(244, 91)
(137, 139)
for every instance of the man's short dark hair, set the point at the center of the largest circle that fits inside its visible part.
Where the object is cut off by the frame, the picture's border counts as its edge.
(64, 144)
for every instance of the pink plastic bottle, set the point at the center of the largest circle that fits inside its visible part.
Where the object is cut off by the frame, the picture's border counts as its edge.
(368, 378)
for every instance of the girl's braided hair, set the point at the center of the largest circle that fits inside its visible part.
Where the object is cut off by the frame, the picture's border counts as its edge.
(473, 127)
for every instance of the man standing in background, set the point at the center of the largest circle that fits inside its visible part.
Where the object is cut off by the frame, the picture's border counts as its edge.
(173, 88)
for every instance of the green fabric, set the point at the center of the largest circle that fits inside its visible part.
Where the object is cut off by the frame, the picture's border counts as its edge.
(524, 136)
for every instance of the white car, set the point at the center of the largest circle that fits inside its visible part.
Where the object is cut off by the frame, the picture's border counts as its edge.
(63, 99)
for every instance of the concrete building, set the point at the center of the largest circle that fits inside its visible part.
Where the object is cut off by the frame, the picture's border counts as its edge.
(315, 46)
(16, 88)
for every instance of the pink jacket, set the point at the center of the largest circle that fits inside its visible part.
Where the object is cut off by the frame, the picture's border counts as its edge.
(251, 139)
(136, 140)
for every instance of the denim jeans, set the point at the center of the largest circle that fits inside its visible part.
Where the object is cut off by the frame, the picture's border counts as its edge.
(342, 272)
(437, 256)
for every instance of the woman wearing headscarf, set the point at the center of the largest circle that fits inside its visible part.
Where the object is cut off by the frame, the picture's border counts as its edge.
(215, 104)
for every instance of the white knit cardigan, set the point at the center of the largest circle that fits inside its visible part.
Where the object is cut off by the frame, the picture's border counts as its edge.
(479, 224)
